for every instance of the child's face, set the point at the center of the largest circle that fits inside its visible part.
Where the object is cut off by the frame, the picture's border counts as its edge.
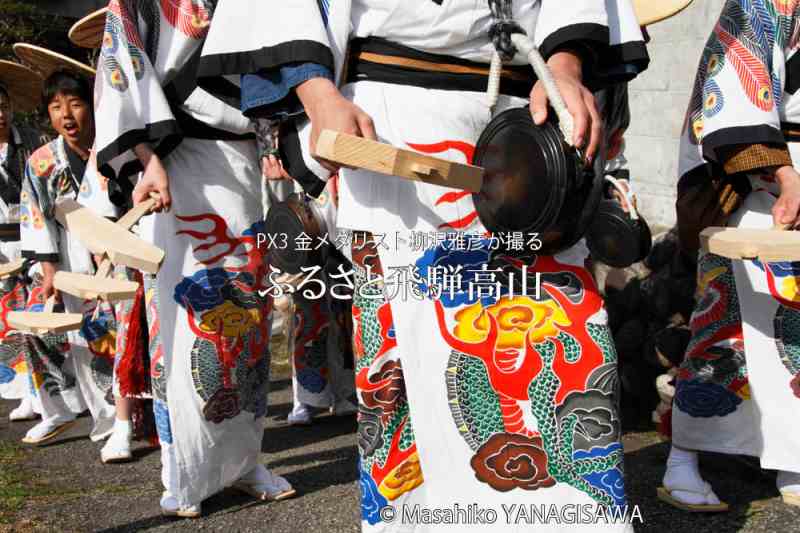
(71, 117)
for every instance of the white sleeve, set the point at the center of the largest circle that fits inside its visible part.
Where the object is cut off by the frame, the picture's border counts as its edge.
(251, 35)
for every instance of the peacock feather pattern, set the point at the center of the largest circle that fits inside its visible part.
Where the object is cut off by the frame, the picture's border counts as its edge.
(747, 38)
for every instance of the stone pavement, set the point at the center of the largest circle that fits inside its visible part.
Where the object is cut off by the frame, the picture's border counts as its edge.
(64, 487)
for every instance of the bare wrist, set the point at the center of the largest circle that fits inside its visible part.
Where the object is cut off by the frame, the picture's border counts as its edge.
(143, 153)
(566, 62)
(787, 175)
(48, 269)
(310, 91)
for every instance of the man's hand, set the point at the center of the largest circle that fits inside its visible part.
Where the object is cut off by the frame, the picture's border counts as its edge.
(785, 211)
(566, 69)
(272, 168)
(48, 276)
(154, 179)
(329, 110)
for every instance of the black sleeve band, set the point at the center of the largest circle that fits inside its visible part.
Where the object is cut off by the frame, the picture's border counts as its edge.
(50, 258)
(760, 134)
(269, 57)
(164, 136)
(603, 64)
(292, 157)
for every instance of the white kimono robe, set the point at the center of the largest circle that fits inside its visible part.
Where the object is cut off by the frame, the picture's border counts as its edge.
(739, 385)
(15, 380)
(495, 423)
(48, 179)
(208, 324)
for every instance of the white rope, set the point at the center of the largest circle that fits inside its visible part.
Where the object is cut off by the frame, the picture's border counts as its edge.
(529, 50)
(627, 194)
(493, 89)
(264, 194)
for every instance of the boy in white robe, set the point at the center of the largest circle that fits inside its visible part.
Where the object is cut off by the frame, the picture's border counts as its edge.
(57, 170)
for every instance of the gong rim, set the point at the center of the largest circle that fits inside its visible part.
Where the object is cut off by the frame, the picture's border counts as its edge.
(581, 208)
(494, 191)
(292, 217)
(560, 195)
(613, 240)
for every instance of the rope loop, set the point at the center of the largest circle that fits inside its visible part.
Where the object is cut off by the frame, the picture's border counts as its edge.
(503, 26)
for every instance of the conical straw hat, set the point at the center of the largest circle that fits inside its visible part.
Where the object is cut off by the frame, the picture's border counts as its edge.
(24, 85)
(46, 61)
(88, 32)
(652, 11)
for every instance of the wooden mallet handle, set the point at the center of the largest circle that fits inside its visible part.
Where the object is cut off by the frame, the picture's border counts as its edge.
(129, 219)
(357, 152)
(50, 303)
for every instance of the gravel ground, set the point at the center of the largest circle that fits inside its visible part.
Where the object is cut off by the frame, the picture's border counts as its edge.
(64, 487)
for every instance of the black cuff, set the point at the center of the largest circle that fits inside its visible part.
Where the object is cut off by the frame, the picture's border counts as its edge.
(266, 58)
(620, 174)
(164, 136)
(620, 63)
(292, 157)
(759, 134)
(586, 39)
(603, 64)
(50, 258)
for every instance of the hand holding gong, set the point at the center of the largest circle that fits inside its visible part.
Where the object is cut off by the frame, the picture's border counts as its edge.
(566, 72)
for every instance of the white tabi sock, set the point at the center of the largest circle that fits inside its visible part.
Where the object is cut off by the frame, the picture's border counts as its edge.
(24, 410)
(118, 446)
(46, 426)
(683, 479)
(123, 429)
(788, 482)
(262, 479)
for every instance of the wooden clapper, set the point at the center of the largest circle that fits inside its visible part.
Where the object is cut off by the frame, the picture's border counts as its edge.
(11, 268)
(46, 321)
(766, 245)
(102, 237)
(357, 152)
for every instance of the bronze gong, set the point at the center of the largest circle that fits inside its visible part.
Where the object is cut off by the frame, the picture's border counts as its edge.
(534, 182)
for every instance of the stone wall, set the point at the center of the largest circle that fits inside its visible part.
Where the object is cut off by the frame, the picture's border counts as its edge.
(658, 100)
